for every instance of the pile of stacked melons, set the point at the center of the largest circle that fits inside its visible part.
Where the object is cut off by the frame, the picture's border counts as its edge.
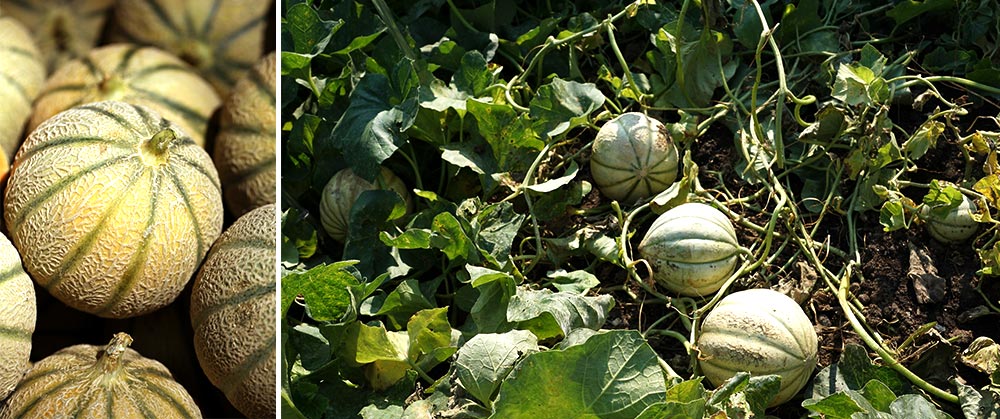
(137, 161)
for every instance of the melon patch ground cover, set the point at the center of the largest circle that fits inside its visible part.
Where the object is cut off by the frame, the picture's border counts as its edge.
(851, 144)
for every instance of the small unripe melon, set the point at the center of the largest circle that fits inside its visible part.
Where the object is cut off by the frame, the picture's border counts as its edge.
(232, 312)
(343, 189)
(17, 317)
(762, 332)
(23, 75)
(112, 208)
(633, 158)
(244, 149)
(692, 249)
(138, 75)
(958, 225)
(95, 382)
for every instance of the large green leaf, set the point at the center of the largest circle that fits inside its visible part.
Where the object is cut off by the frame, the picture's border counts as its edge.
(561, 105)
(554, 315)
(371, 214)
(508, 133)
(325, 289)
(371, 128)
(612, 375)
(486, 359)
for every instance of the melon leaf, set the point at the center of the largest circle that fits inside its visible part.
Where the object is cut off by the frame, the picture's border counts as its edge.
(612, 375)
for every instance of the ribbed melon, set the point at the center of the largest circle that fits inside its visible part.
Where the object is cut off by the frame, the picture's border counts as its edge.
(129, 73)
(17, 317)
(762, 332)
(113, 208)
(86, 381)
(692, 249)
(343, 189)
(21, 78)
(63, 29)
(221, 38)
(955, 226)
(244, 149)
(232, 311)
(633, 158)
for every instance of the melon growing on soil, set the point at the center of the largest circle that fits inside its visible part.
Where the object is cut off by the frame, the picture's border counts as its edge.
(343, 189)
(63, 29)
(692, 249)
(138, 75)
(86, 381)
(762, 332)
(244, 149)
(232, 312)
(957, 225)
(17, 317)
(633, 158)
(21, 77)
(222, 38)
(112, 208)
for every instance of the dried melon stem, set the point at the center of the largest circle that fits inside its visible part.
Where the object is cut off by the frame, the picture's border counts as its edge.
(154, 150)
(109, 361)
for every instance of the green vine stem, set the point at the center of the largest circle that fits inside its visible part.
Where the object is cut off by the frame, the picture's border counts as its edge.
(552, 43)
(889, 360)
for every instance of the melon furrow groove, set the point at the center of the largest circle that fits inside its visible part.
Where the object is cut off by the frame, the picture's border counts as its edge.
(243, 296)
(63, 88)
(200, 169)
(126, 59)
(85, 243)
(239, 32)
(83, 402)
(140, 403)
(247, 366)
(185, 111)
(262, 86)
(22, 92)
(163, 394)
(147, 71)
(64, 182)
(161, 14)
(39, 396)
(258, 168)
(128, 279)
(191, 213)
(10, 333)
(122, 122)
(10, 273)
(59, 142)
(95, 71)
(206, 27)
(22, 52)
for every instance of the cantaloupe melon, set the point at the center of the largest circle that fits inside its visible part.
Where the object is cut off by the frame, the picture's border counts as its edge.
(221, 38)
(21, 78)
(144, 76)
(113, 208)
(86, 381)
(762, 332)
(17, 317)
(244, 149)
(232, 311)
(63, 29)
(633, 158)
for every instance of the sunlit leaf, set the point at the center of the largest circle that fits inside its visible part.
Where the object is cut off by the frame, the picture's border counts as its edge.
(612, 375)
